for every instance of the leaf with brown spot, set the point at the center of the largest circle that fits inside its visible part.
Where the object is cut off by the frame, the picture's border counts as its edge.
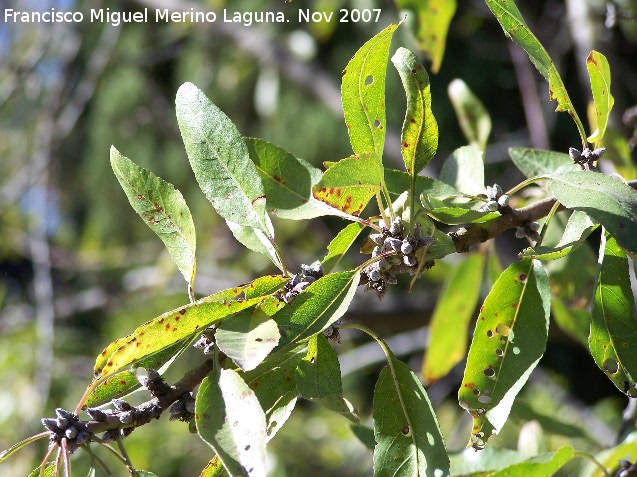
(350, 183)
(157, 202)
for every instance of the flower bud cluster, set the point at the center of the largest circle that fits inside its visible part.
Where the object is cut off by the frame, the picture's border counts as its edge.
(586, 157)
(497, 200)
(530, 230)
(308, 275)
(67, 426)
(127, 416)
(183, 409)
(205, 342)
(398, 255)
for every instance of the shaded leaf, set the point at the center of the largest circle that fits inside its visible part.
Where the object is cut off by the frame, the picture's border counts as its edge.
(578, 228)
(248, 337)
(350, 183)
(614, 318)
(162, 207)
(516, 28)
(539, 466)
(363, 94)
(287, 181)
(552, 424)
(220, 160)
(608, 201)
(509, 339)
(318, 375)
(273, 382)
(599, 73)
(432, 23)
(443, 245)
(610, 458)
(339, 405)
(340, 244)
(419, 138)
(230, 419)
(574, 322)
(473, 117)
(537, 162)
(365, 435)
(317, 307)
(448, 328)
(408, 438)
(464, 170)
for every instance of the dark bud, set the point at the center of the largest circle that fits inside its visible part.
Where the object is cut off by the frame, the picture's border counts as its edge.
(127, 431)
(110, 436)
(51, 424)
(575, 155)
(82, 437)
(121, 405)
(71, 433)
(598, 153)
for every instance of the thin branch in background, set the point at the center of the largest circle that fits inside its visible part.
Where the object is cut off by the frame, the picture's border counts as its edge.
(530, 97)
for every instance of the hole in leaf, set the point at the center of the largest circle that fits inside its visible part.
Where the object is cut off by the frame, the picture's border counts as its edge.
(611, 365)
(369, 80)
(503, 329)
(247, 448)
(484, 399)
(476, 392)
(499, 352)
(430, 439)
(377, 123)
(489, 372)
(489, 334)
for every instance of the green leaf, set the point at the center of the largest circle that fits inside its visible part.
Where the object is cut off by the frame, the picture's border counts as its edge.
(578, 227)
(318, 375)
(614, 318)
(365, 435)
(599, 73)
(464, 170)
(408, 438)
(230, 419)
(340, 245)
(350, 183)
(515, 28)
(144, 473)
(448, 328)
(539, 466)
(398, 182)
(363, 94)
(5, 454)
(609, 201)
(273, 382)
(162, 207)
(572, 321)
(49, 470)
(443, 245)
(537, 162)
(248, 337)
(177, 325)
(473, 117)
(432, 23)
(317, 307)
(339, 405)
(459, 215)
(468, 462)
(287, 181)
(509, 340)
(220, 160)
(214, 468)
(419, 138)
(610, 458)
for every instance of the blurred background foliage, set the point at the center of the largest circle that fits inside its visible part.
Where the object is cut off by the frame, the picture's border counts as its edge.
(79, 269)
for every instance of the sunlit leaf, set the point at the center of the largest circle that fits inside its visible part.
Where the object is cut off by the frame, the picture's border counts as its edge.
(614, 318)
(408, 438)
(516, 28)
(609, 201)
(599, 73)
(459, 215)
(468, 462)
(49, 470)
(539, 466)
(230, 419)
(317, 307)
(537, 162)
(287, 181)
(464, 170)
(473, 117)
(432, 19)
(509, 339)
(448, 328)
(318, 375)
(398, 182)
(363, 94)
(273, 382)
(340, 244)
(578, 227)
(248, 337)
(162, 207)
(220, 160)
(609, 458)
(419, 138)
(214, 468)
(350, 183)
